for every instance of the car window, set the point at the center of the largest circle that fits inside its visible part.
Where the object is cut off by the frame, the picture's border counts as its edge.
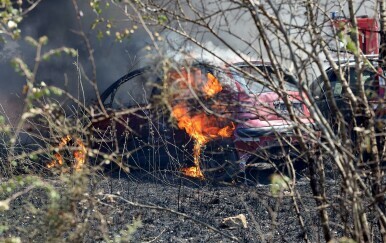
(107, 101)
(316, 88)
(132, 92)
(371, 86)
(198, 77)
(258, 83)
(224, 79)
(335, 84)
(368, 76)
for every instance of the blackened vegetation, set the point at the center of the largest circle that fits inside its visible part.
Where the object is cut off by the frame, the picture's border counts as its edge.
(175, 209)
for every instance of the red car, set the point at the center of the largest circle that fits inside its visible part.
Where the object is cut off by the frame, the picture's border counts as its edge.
(225, 117)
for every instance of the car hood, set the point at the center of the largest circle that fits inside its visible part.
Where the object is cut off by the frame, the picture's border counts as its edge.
(270, 109)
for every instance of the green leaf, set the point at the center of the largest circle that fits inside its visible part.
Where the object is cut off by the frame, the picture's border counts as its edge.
(33, 156)
(351, 46)
(3, 228)
(56, 91)
(278, 183)
(162, 18)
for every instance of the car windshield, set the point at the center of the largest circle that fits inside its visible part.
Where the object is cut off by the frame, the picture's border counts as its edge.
(207, 80)
(368, 77)
(133, 89)
(256, 82)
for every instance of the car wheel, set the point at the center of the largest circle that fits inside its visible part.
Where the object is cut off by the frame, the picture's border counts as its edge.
(219, 162)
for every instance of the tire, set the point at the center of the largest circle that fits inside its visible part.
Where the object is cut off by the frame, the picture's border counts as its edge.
(219, 162)
(274, 160)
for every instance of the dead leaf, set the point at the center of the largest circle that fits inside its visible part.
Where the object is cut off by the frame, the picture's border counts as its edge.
(235, 221)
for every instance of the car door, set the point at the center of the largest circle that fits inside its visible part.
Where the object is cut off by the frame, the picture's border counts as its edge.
(138, 123)
(319, 92)
(126, 102)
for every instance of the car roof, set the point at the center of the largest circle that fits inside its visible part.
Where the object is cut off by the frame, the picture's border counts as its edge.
(253, 63)
(350, 59)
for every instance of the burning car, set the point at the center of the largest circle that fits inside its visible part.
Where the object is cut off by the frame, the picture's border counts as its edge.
(224, 116)
(138, 127)
(150, 102)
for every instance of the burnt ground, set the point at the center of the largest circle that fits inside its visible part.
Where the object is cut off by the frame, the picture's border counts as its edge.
(176, 209)
(268, 218)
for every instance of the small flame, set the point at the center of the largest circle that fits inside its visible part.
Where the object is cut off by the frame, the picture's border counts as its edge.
(212, 86)
(200, 126)
(227, 131)
(195, 171)
(79, 154)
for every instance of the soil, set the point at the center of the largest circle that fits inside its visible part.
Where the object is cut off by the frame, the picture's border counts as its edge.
(173, 208)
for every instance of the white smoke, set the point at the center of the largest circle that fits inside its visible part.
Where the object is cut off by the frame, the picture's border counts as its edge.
(207, 53)
(58, 21)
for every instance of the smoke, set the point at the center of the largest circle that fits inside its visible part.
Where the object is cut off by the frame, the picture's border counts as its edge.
(237, 38)
(58, 21)
(235, 35)
(206, 52)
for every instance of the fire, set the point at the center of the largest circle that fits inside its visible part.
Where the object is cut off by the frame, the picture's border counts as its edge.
(79, 154)
(212, 86)
(195, 171)
(199, 125)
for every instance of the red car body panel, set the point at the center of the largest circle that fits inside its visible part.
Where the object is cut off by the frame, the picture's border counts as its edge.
(264, 120)
(269, 106)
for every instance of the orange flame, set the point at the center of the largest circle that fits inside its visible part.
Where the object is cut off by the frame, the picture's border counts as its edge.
(195, 171)
(212, 86)
(79, 154)
(201, 126)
